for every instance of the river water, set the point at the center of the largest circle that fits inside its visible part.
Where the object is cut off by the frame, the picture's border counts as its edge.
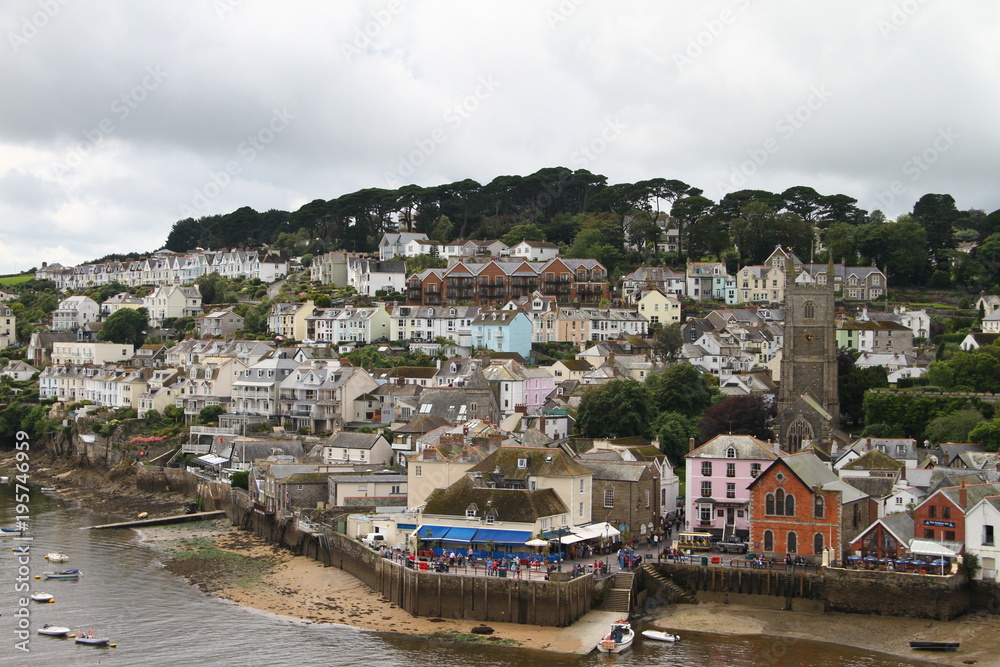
(157, 618)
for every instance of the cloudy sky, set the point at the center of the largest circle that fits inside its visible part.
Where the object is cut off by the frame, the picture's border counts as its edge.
(120, 118)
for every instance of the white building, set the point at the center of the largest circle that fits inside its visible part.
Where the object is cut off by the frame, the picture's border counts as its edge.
(73, 312)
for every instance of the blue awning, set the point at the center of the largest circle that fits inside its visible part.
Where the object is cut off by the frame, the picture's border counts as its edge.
(463, 535)
(406, 526)
(436, 532)
(518, 537)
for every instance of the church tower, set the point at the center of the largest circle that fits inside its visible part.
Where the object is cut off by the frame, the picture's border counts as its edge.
(808, 397)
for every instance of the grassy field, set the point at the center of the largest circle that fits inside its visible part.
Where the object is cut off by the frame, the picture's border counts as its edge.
(16, 280)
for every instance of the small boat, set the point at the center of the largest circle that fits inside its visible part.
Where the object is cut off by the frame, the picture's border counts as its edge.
(65, 574)
(4, 480)
(619, 639)
(934, 646)
(91, 639)
(660, 636)
(21, 549)
(53, 630)
(55, 557)
(11, 531)
(42, 597)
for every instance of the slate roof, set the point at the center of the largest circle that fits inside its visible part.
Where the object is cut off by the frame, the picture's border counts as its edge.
(747, 447)
(545, 462)
(874, 487)
(354, 440)
(515, 505)
(874, 460)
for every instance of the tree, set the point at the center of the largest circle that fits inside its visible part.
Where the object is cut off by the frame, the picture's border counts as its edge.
(668, 342)
(210, 414)
(681, 388)
(978, 370)
(937, 214)
(744, 415)
(987, 434)
(853, 382)
(675, 431)
(954, 426)
(759, 229)
(617, 409)
(126, 326)
(520, 233)
(240, 479)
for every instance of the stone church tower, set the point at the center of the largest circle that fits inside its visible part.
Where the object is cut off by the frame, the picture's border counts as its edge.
(808, 397)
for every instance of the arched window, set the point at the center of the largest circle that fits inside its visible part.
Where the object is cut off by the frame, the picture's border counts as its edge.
(809, 310)
(793, 543)
(819, 509)
(731, 453)
(789, 505)
(798, 431)
(768, 540)
(818, 544)
(779, 502)
(769, 504)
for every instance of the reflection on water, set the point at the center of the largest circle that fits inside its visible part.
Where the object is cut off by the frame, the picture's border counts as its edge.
(157, 619)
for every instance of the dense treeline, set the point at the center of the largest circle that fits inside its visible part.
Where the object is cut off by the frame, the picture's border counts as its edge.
(620, 223)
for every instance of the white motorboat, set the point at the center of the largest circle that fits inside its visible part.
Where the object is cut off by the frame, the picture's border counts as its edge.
(56, 557)
(619, 639)
(660, 636)
(53, 630)
(42, 597)
(91, 639)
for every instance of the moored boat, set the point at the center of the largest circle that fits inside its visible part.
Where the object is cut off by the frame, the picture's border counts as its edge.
(65, 574)
(10, 531)
(56, 557)
(21, 549)
(619, 639)
(660, 635)
(42, 597)
(91, 639)
(53, 630)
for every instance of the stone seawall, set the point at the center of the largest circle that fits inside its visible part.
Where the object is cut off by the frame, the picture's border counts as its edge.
(421, 593)
(833, 589)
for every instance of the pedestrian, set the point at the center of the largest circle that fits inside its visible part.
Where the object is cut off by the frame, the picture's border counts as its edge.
(451, 558)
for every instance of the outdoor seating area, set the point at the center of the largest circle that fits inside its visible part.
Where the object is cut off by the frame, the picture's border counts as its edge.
(913, 564)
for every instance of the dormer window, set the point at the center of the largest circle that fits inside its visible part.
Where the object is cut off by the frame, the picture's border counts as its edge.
(471, 511)
(491, 516)
(731, 453)
(522, 463)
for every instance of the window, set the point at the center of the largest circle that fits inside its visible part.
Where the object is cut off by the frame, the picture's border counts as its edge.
(609, 497)
(928, 533)
(730, 491)
(706, 489)
(754, 469)
(809, 310)
(730, 470)
(581, 510)
(768, 540)
(418, 471)
(731, 453)
(522, 463)
(490, 517)
(394, 489)
(988, 536)
(818, 544)
(790, 505)
(818, 508)
(793, 543)
(470, 513)
(581, 486)
(769, 504)
(949, 535)
(899, 500)
(705, 513)
(706, 469)
(647, 498)
(779, 502)
(945, 512)
(932, 512)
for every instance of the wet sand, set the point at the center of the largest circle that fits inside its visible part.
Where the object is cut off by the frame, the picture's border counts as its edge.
(301, 588)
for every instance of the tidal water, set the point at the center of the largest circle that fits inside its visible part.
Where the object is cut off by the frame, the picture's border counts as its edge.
(157, 618)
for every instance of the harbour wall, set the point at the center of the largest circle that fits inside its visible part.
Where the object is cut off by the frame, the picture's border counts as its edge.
(422, 593)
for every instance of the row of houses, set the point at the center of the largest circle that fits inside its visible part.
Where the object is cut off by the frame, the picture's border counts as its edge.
(163, 302)
(168, 268)
(409, 244)
(758, 284)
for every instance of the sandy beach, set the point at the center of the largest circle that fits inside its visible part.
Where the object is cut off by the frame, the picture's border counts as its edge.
(270, 579)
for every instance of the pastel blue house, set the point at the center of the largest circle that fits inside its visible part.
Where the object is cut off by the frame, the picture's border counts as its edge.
(503, 331)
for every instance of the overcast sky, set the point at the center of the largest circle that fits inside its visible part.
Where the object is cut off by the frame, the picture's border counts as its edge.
(119, 118)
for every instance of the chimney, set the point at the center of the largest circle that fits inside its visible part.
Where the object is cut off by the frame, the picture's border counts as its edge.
(541, 427)
(963, 496)
(690, 445)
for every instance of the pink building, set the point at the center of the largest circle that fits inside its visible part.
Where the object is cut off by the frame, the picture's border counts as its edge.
(717, 475)
(538, 383)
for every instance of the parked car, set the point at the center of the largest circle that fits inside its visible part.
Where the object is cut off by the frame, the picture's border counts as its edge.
(732, 545)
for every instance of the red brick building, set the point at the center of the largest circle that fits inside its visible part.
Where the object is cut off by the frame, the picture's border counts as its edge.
(495, 282)
(942, 515)
(798, 506)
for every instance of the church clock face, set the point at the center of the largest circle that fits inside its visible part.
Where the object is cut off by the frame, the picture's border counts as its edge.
(809, 337)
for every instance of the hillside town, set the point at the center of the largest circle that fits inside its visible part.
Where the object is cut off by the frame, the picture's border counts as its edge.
(447, 408)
